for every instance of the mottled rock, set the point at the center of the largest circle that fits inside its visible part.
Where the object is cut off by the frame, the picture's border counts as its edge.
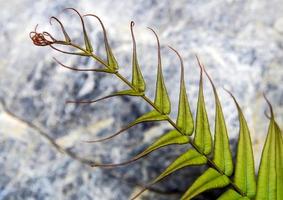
(240, 42)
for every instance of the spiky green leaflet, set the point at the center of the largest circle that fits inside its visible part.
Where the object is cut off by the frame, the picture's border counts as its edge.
(86, 38)
(189, 158)
(244, 171)
(172, 137)
(232, 195)
(202, 138)
(185, 120)
(270, 178)
(161, 101)
(210, 179)
(137, 77)
(111, 60)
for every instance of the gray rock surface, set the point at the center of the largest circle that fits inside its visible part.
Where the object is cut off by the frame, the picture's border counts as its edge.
(240, 42)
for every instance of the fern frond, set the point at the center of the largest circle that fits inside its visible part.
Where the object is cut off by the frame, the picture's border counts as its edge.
(220, 165)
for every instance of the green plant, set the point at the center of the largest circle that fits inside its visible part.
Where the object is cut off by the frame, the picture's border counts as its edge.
(216, 154)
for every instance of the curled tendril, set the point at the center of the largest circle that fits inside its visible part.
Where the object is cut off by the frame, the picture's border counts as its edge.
(46, 39)
(41, 39)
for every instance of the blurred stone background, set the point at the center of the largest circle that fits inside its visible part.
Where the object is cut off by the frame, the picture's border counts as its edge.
(239, 41)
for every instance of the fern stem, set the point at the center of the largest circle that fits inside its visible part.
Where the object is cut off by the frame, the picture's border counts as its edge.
(169, 120)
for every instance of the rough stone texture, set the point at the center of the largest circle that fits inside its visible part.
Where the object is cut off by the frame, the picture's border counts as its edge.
(240, 42)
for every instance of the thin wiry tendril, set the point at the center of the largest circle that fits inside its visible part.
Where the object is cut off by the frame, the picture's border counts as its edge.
(77, 69)
(92, 101)
(67, 52)
(158, 46)
(111, 136)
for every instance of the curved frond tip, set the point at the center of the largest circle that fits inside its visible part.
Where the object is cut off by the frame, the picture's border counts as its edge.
(161, 100)
(202, 138)
(67, 37)
(137, 78)
(112, 62)
(184, 119)
(86, 38)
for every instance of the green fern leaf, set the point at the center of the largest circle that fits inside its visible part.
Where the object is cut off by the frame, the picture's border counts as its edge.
(112, 62)
(232, 195)
(185, 120)
(151, 116)
(161, 101)
(202, 137)
(222, 152)
(210, 179)
(270, 183)
(189, 158)
(172, 137)
(86, 38)
(137, 77)
(244, 170)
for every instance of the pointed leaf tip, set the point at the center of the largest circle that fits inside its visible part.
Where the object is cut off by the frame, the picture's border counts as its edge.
(202, 139)
(67, 37)
(137, 77)
(161, 101)
(86, 38)
(185, 118)
(112, 62)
